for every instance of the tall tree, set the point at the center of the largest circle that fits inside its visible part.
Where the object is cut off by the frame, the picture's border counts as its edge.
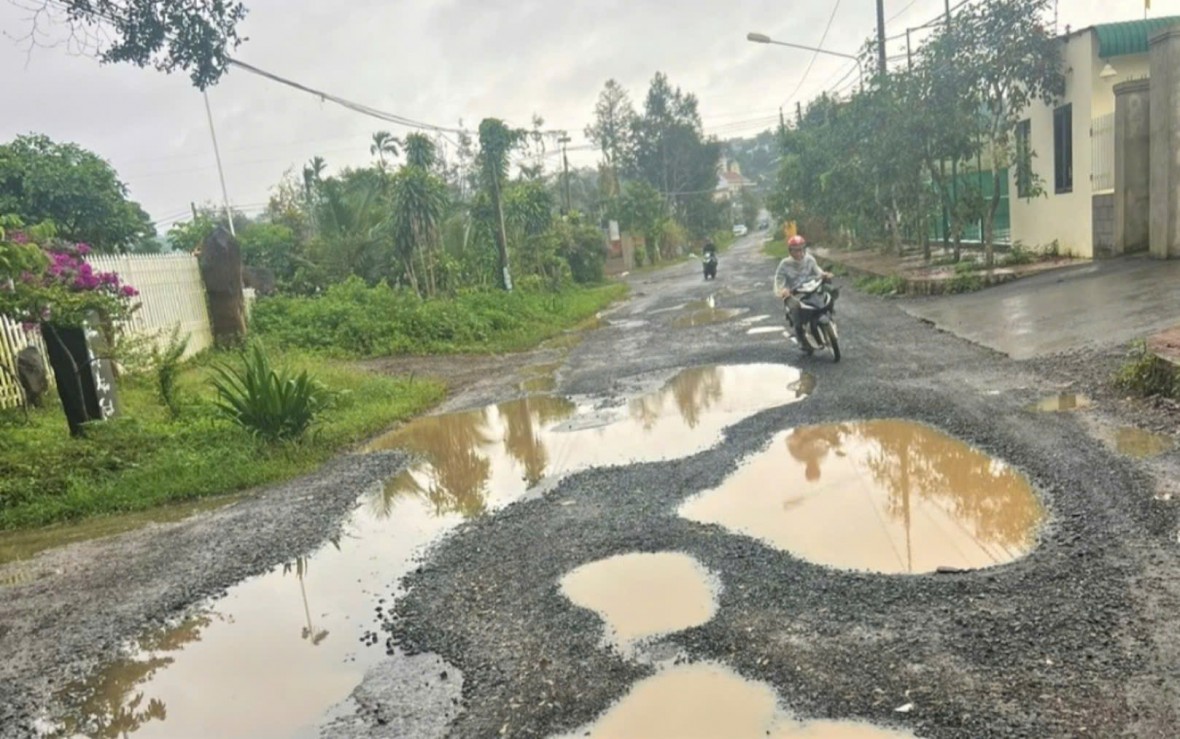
(41, 180)
(1016, 61)
(496, 142)
(384, 144)
(418, 202)
(614, 120)
(420, 151)
(195, 37)
(672, 154)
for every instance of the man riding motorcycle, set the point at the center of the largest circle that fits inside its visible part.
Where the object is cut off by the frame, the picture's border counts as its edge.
(793, 271)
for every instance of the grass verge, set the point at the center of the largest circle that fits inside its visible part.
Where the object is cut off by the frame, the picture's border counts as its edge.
(352, 319)
(147, 459)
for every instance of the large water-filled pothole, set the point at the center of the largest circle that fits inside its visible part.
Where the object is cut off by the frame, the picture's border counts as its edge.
(706, 701)
(279, 651)
(493, 455)
(882, 496)
(644, 595)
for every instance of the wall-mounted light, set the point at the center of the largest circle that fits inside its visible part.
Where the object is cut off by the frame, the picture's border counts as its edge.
(1108, 71)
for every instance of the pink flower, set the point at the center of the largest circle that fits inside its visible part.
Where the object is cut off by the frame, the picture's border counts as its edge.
(19, 237)
(128, 292)
(84, 249)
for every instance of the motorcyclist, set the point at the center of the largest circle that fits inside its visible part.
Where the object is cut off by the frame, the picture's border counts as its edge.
(794, 270)
(709, 260)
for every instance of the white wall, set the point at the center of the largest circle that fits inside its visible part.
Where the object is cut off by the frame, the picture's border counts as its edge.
(1067, 217)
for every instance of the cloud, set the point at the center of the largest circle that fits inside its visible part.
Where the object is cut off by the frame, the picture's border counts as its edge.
(438, 61)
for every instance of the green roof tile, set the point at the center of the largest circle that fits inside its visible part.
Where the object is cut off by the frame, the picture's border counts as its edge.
(1130, 37)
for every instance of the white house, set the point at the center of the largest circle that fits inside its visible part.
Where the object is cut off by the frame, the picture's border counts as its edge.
(1073, 141)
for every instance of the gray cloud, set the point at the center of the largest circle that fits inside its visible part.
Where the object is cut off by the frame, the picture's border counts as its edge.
(436, 61)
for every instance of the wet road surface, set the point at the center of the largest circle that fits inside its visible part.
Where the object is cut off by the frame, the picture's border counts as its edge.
(902, 544)
(1103, 303)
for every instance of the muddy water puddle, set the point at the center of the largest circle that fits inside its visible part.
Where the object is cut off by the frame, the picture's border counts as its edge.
(643, 595)
(882, 496)
(1140, 444)
(706, 701)
(1063, 402)
(280, 651)
(706, 312)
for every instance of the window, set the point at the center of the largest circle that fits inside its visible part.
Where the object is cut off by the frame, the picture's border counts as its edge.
(1063, 149)
(1024, 175)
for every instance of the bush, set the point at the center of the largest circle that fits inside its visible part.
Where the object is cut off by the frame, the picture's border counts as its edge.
(892, 285)
(272, 405)
(353, 319)
(1147, 375)
(167, 368)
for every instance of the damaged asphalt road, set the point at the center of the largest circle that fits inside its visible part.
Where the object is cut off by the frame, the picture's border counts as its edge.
(1074, 639)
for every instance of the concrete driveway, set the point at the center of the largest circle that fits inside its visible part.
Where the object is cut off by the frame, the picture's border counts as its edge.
(1097, 304)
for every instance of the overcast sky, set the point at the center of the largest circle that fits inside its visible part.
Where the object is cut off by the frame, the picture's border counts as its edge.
(438, 61)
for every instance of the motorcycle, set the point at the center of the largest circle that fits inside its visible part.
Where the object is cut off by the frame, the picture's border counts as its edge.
(710, 265)
(817, 308)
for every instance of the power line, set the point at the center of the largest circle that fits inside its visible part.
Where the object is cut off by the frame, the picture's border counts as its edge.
(345, 103)
(815, 55)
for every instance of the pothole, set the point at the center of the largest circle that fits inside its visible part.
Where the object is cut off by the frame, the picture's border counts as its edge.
(883, 496)
(643, 595)
(708, 700)
(706, 312)
(1063, 402)
(491, 456)
(1140, 444)
(274, 655)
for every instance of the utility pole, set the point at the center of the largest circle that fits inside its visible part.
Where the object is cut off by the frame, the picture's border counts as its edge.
(565, 163)
(229, 216)
(909, 54)
(955, 161)
(881, 35)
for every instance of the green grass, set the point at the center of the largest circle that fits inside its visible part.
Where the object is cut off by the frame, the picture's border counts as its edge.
(1147, 375)
(354, 320)
(147, 459)
(776, 247)
(881, 285)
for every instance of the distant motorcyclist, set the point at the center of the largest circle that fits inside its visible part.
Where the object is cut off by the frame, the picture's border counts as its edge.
(709, 260)
(793, 271)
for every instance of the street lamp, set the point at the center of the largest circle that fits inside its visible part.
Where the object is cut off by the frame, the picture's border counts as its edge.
(762, 38)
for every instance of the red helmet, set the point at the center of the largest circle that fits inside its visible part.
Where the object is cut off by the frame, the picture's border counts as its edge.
(796, 241)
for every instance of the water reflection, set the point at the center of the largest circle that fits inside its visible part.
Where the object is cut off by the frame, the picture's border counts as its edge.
(248, 675)
(476, 460)
(881, 495)
(113, 704)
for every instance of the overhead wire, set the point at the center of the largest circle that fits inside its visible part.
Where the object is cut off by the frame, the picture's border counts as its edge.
(815, 55)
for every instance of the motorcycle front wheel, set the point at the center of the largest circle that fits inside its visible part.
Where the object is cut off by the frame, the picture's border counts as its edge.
(831, 340)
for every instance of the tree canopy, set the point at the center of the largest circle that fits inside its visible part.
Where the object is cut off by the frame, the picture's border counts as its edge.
(75, 189)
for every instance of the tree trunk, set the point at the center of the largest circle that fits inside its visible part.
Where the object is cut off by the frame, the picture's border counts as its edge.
(501, 235)
(989, 223)
(221, 269)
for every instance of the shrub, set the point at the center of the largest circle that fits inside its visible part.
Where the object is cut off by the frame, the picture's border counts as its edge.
(892, 285)
(273, 405)
(167, 365)
(1147, 375)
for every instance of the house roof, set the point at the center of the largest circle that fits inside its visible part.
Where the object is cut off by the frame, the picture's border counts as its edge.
(1129, 37)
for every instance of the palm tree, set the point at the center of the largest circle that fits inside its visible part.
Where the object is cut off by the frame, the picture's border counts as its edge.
(420, 151)
(418, 203)
(384, 143)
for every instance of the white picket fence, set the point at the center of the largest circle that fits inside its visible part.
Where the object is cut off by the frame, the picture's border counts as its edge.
(171, 294)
